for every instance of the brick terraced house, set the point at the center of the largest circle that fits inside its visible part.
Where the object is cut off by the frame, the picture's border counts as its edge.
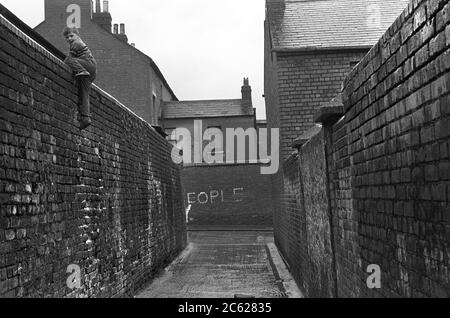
(310, 46)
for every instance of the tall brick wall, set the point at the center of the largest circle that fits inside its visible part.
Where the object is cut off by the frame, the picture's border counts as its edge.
(107, 199)
(303, 229)
(388, 168)
(296, 84)
(290, 220)
(397, 170)
(316, 208)
(227, 196)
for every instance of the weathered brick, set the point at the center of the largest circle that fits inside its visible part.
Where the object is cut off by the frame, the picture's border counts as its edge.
(447, 35)
(406, 175)
(438, 44)
(433, 6)
(442, 17)
(427, 135)
(431, 173)
(427, 31)
(420, 17)
(10, 235)
(421, 56)
(438, 192)
(444, 170)
(442, 128)
(432, 111)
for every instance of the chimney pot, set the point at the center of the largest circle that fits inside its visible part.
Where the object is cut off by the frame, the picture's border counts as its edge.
(247, 103)
(122, 28)
(116, 28)
(98, 8)
(133, 44)
(105, 6)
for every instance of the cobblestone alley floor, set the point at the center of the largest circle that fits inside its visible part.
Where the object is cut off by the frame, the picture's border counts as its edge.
(225, 265)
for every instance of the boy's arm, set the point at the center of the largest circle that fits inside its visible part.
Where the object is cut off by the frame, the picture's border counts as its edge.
(76, 47)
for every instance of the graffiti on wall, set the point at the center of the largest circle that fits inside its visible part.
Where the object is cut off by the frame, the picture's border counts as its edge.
(212, 197)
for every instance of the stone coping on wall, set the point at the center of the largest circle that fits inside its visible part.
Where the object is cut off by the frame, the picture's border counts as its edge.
(330, 112)
(303, 139)
(328, 116)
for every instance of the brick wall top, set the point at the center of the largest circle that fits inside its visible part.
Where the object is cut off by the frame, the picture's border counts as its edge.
(407, 36)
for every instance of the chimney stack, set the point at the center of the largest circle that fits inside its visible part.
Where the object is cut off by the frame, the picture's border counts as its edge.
(98, 9)
(106, 6)
(121, 35)
(247, 103)
(103, 19)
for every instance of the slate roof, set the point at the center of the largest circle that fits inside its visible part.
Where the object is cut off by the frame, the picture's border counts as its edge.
(203, 108)
(318, 24)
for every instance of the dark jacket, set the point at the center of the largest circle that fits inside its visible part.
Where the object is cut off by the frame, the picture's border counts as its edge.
(80, 50)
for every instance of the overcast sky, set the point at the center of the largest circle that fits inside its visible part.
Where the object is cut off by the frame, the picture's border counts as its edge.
(204, 48)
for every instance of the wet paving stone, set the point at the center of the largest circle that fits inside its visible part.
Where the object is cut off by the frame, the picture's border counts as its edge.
(220, 265)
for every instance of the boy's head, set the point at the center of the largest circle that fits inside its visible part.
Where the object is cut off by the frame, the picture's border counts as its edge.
(71, 34)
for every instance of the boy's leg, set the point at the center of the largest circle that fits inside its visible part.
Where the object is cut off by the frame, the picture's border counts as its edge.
(85, 109)
(75, 65)
(90, 67)
(81, 66)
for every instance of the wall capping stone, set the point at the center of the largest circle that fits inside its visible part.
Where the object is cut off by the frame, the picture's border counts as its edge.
(303, 139)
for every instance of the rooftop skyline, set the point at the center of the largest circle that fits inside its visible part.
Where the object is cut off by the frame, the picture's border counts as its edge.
(204, 48)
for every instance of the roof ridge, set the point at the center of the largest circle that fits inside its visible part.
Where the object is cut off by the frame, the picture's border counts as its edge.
(152, 62)
(317, 24)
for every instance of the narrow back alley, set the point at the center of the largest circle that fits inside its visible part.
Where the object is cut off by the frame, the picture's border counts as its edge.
(341, 191)
(225, 264)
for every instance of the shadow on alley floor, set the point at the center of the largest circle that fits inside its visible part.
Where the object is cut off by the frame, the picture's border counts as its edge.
(225, 265)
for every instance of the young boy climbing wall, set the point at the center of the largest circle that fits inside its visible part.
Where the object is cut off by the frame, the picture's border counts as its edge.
(84, 67)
